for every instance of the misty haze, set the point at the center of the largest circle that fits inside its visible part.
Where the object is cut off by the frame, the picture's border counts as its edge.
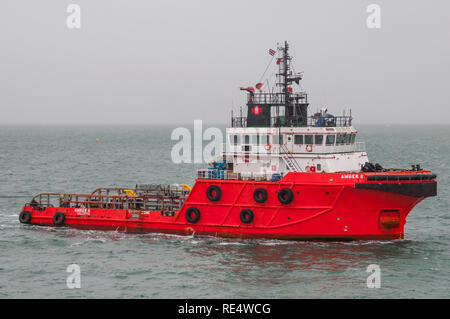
(176, 61)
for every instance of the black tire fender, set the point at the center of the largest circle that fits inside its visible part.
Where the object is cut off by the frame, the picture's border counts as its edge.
(25, 217)
(260, 195)
(246, 216)
(195, 212)
(285, 196)
(210, 193)
(59, 219)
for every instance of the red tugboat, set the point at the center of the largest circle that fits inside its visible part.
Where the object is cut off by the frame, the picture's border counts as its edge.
(283, 175)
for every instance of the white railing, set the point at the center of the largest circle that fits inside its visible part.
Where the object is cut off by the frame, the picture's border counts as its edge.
(360, 146)
(275, 149)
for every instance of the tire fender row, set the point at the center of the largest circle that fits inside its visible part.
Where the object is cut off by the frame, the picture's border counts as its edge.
(214, 193)
(58, 218)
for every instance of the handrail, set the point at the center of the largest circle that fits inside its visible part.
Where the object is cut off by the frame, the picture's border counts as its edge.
(277, 121)
(258, 149)
(289, 159)
(140, 201)
(277, 98)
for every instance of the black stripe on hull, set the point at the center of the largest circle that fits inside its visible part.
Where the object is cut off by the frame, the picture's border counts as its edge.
(400, 177)
(409, 189)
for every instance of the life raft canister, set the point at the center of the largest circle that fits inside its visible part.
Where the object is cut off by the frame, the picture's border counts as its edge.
(185, 187)
(260, 195)
(192, 214)
(213, 193)
(246, 216)
(285, 196)
(309, 148)
(129, 192)
(25, 217)
(58, 219)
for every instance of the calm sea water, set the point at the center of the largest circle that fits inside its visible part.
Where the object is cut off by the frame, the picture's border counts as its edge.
(33, 260)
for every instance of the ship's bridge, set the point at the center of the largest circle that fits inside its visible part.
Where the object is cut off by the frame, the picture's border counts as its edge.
(261, 151)
(293, 140)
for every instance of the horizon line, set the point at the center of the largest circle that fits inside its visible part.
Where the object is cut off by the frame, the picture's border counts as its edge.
(187, 123)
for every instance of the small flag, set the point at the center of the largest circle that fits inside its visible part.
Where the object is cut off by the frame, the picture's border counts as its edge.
(272, 52)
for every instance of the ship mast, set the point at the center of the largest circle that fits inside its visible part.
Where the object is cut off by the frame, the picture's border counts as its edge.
(284, 82)
(285, 74)
(260, 105)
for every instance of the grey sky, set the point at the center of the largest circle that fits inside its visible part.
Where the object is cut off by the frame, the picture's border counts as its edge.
(176, 61)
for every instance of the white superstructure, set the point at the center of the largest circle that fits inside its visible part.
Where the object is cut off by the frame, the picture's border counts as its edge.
(277, 136)
(301, 149)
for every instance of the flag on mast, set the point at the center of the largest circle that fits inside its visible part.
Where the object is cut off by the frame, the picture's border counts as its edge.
(272, 52)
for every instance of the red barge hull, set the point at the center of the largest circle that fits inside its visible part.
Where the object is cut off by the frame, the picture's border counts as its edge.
(324, 206)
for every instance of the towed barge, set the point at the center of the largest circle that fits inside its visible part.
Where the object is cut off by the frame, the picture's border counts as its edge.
(282, 175)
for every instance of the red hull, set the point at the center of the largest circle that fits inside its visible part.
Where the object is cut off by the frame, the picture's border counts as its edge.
(325, 206)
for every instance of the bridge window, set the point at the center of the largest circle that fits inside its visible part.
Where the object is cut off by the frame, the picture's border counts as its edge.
(339, 139)
(278, 139)
(264, 139)
(255, 139)
(353, 138)
(308, 139)
(246, 139)
(330, 140)
(347, 138)
(318, 139)
(298, 139)
(235, 139)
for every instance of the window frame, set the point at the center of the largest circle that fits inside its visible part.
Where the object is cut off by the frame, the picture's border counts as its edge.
(307, 136)
(235, 139)
(347, 139)
(264, 139)
(277, 139)
(295, 139)
(334, 139)
(315, 139)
